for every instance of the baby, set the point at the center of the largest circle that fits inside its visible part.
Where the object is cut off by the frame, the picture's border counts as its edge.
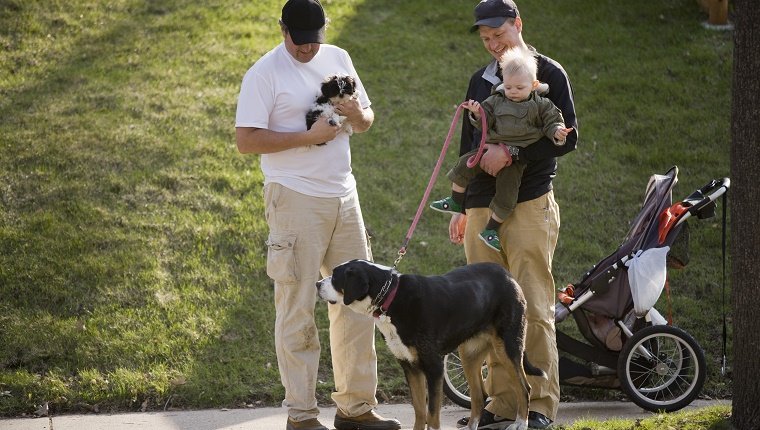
(517, 116)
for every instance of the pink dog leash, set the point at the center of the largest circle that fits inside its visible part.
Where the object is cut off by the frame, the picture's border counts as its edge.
(471, 162)
(475, 159)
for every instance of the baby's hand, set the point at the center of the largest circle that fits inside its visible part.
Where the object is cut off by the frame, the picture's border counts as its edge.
(473, 107)
(561, 134)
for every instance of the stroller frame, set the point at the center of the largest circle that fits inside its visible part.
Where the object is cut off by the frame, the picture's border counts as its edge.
(660, 367)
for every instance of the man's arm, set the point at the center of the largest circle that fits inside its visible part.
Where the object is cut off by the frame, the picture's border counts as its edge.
(251, 140)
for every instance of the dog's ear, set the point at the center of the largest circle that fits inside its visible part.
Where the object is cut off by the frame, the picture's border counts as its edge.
(356, 285)
(330, 87)
(350, 84)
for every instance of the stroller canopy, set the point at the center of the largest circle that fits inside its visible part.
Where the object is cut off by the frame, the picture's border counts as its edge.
(612, 281)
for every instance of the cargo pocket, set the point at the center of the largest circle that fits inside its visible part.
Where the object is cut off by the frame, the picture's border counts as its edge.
(281, 257)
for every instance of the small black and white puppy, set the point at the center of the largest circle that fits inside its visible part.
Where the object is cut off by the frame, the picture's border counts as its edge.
(335, 89)
(477, 309)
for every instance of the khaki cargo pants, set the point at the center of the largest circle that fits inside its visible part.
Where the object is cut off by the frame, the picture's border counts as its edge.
(528, 239)
(308, 237)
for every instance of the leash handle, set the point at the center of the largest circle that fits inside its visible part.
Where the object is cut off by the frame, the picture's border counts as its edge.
(436, 170)
(475, 159)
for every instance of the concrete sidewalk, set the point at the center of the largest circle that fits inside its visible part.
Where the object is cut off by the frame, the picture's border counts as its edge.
(274, 418)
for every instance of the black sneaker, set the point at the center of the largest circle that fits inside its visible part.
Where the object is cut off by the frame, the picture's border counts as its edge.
(488, 421)
(537, 420)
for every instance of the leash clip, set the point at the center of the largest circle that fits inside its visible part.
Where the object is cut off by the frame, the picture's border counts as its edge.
(401, 254)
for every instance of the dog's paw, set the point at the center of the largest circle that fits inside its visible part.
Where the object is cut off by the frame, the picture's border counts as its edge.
(518, 425)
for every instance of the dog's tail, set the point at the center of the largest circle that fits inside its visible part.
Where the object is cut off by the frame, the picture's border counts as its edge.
(531, 369)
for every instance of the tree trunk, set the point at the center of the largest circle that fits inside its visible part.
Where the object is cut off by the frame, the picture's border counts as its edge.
(744, 202)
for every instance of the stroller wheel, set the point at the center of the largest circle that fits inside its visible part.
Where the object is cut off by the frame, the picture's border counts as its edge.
(662, 368)
(454, 383)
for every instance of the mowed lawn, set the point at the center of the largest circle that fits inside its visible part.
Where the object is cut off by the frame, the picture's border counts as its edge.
(132, 255)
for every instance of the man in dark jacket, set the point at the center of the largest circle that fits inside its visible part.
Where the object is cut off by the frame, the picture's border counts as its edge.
(529, 235)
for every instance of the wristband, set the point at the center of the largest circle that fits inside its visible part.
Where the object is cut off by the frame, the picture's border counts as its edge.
(512, 151)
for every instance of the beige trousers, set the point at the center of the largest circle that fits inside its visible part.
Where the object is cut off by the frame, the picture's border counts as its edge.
(528, 239)
(308, 237)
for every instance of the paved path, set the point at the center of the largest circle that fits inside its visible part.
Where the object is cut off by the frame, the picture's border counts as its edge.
(274, 418)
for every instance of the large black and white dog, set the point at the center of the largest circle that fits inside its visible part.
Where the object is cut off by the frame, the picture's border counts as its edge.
(478, 308)
(334, 90)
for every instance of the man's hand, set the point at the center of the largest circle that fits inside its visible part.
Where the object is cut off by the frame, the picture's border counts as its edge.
(350, 108)
(360, 118)
(456, 228)
(322, 131)
(494, 159)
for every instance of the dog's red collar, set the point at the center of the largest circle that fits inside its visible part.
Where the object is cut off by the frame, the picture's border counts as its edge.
(389, 296)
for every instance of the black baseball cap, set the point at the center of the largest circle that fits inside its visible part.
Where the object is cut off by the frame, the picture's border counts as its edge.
(493, 13)
(305, 20)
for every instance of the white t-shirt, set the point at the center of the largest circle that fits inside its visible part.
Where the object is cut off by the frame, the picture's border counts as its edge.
(276, 93)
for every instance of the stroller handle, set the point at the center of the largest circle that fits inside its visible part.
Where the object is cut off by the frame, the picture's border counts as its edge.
(704, 196)
(699, 203)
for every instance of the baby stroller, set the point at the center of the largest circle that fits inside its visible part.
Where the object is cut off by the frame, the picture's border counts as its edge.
(628, 344)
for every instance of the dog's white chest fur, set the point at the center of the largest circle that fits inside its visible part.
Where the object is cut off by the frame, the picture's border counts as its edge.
(328, 111)
(392, 339)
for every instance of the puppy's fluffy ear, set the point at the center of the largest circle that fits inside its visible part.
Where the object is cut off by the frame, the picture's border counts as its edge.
(351, 85)
(356, 285)
(330, 87)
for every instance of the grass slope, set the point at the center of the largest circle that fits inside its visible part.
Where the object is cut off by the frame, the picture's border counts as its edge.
(132, 256)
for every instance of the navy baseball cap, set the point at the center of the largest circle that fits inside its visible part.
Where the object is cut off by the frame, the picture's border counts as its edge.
(493, 13)
(305, 20)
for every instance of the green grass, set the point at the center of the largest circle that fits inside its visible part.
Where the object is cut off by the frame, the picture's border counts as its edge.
(132, 256)
(712, 418)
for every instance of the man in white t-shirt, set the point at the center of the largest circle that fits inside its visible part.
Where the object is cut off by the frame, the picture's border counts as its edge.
(315, 221)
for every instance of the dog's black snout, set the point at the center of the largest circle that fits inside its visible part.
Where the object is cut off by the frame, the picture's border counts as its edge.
(319, 284)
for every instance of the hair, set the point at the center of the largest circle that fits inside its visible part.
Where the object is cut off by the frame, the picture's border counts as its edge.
(518, 60)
